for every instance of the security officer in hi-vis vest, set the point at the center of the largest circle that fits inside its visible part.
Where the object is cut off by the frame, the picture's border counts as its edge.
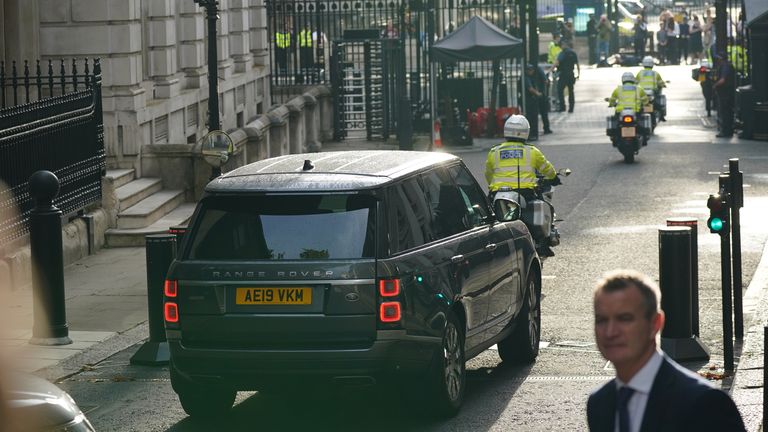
(282, 49)
(306, 51)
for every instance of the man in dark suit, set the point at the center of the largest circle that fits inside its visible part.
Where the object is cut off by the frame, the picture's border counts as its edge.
(650, 392)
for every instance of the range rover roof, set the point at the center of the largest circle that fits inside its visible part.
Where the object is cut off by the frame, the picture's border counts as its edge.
(342, 170)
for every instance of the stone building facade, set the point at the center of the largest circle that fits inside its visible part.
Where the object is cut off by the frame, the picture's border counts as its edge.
(154, 61)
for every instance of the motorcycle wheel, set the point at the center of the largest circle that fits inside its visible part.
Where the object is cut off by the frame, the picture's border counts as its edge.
(629, 157)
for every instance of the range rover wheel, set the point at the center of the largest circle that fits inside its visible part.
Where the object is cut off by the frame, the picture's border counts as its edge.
(199, 401)
(522, 346)
(448, 372)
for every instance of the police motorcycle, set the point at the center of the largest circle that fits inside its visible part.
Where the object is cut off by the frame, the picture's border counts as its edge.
(536, 211)
(628, 130)
(657, 102)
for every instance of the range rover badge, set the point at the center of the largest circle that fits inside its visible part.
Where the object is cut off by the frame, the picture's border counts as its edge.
(352, 297)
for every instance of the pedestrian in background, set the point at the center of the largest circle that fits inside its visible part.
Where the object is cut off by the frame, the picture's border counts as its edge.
(724, 87)
(695, 45)
(673, 33)
(536, 100)
(661, 39)
(566, 62)
(604, 29)
(651, 392)
(640, 36)
(568, 31)
(592, 38)
(685, 33)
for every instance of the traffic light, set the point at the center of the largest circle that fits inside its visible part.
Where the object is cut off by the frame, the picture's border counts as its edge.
(718, 214)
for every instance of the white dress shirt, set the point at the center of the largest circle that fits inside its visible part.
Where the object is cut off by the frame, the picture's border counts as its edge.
(641, 383)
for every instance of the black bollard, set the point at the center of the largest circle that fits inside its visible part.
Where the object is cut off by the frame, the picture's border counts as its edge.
(693, 223)
(677, 338)
(49, 305)
(161, 251)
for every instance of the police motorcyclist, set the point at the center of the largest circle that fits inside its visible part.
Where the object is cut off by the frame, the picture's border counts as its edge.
(627, 95)
(515, 164)
(651, 81)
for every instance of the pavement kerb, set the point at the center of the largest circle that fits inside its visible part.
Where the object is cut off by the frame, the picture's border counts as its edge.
(747, 386)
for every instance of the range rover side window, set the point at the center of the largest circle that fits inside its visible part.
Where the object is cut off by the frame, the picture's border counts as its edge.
(410, 216)
(473, 198)
(285, 227)
(445, 203)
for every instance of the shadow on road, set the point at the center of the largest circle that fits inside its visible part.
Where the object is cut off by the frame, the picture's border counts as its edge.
(489, 390)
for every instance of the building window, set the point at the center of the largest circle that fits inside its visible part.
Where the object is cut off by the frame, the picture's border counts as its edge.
(161, 129)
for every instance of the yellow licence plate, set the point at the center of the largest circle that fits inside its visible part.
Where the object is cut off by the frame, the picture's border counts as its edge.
(628, 132)
(274, 296)
(648, 108)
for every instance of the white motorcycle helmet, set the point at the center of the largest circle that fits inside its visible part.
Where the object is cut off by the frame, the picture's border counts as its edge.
(627, 77)
(648, 61)
(516, 128)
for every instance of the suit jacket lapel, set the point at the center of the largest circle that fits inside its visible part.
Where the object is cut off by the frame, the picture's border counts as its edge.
(658, 398)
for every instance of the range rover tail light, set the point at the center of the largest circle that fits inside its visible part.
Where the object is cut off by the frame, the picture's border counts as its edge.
(171, 288)
(171, 308)
(389, 312)
(390, 306)
(389, 287)
(171, 312)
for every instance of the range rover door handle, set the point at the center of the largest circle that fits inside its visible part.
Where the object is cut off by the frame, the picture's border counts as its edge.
(458, 259)
(490, 247)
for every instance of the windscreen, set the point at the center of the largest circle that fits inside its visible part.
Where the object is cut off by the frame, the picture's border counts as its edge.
(285, 227)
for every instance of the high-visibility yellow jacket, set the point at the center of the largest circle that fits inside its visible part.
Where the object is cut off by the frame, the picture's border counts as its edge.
(628, 96)
(650, 80)
(305, 38)
(283, 40)
(515, 164)
(553, 52)
(738, 58)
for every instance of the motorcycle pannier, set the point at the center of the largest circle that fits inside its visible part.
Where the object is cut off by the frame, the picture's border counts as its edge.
(645, 123)
(542, 219)
(610, 124)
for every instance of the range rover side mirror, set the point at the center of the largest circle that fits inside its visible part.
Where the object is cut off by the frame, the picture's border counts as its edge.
(506, 210)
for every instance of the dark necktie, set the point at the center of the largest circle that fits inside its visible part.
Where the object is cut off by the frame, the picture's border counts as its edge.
(622, 401)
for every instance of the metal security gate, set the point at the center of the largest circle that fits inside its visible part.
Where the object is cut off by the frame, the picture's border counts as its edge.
(366, 75)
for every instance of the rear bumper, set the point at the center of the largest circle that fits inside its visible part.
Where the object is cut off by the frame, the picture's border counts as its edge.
(393, 353)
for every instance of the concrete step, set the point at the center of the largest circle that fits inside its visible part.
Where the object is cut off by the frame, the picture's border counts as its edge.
(150, 209)
(120, 177)
(128, 237)
(131, 193)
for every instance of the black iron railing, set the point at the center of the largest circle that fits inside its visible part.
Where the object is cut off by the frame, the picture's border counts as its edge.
(49, 122)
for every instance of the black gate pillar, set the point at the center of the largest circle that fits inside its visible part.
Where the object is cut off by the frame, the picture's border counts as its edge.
(675, 276)
(48, 306)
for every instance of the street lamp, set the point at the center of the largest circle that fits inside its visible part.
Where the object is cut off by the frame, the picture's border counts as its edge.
(214, 124)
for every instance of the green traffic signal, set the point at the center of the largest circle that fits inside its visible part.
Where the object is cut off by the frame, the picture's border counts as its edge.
(715, 224)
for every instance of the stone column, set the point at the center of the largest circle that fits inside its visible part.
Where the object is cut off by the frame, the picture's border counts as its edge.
(19, 39)
(258, 34)
(239, 38)
(162, 48)
(222, 41)
(192, 23)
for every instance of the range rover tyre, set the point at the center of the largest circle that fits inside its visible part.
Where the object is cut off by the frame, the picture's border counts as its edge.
(522, 346)
(203, 402)
(448, 372)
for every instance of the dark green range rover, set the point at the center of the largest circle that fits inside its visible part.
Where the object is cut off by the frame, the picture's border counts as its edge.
(351, 267)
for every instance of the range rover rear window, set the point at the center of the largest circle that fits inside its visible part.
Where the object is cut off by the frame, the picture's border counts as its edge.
(285, 227)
